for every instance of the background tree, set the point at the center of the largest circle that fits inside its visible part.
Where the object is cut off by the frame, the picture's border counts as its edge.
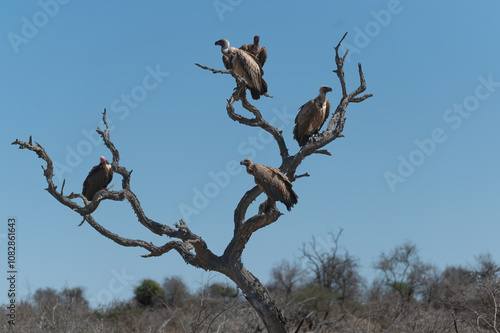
(74, 297)
(193, 248)
(148, 292)
(333, 268)
(47, 298)
(486, 268)
(175, 291)
(224, 290)
(285, 277)
(403, 271)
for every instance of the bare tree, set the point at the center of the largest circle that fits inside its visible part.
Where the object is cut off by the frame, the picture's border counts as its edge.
(285, 277)
(486, 268)
(333, 268)
(193, 248)
(403, 270)
(175, 291)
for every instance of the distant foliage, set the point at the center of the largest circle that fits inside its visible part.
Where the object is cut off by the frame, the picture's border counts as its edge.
(408, 296)
(217, 289)
(148, 293)
(175, 291)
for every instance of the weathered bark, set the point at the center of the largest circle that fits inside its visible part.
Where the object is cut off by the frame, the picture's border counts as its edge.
(193, 249)
(257, 295)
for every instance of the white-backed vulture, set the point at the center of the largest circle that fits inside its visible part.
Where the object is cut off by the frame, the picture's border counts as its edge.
(98, 178)
(311, 117)
(259, 52)
(272, 182)
(246, 66)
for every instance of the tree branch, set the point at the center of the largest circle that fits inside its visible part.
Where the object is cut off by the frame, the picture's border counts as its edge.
(240, 94)
(243, 227)
(202, 257)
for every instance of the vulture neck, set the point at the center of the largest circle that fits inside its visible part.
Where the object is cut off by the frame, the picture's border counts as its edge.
(225, 49)
(250, 168)
(322, 96)
(255, 47)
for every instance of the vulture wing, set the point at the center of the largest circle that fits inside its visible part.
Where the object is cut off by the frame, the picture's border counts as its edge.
(262, 56)
(260, 53)
(327, 113)
(227, 62)
(302, 130)
(275, 184)
(97, 179)
(246, 66)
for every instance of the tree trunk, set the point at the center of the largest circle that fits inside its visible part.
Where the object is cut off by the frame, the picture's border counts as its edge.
(259, 298)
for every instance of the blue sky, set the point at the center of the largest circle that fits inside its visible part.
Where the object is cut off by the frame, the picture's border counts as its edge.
(419, 160)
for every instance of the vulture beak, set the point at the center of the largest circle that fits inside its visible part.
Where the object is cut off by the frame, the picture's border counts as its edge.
(241, 163)
(329, 89)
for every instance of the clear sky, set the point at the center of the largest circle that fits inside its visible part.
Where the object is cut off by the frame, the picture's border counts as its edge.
(420, 160)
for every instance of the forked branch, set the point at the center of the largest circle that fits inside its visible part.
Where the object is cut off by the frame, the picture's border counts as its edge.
(202, 257)
(244, 226)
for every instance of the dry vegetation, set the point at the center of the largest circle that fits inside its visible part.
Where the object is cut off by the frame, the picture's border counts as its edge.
(320, 292)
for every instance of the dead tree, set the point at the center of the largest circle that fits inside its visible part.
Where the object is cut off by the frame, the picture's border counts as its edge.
(193, 249)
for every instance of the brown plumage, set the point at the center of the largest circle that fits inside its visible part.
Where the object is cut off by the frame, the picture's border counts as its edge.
(255, 49)
(246, 66)
(311, 117)
(272, 182)
(98, 178)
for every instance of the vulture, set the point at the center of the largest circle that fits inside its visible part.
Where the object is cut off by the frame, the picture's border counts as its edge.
(99, 177)
(272, 182)
(259, 52)
(311, 117)
(245, 65)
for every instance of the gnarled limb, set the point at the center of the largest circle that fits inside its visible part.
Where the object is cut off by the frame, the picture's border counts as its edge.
(289, 163)
(202, 256)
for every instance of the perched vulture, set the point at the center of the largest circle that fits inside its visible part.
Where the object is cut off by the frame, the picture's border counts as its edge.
(259, 52)
(246, 66)
(311, 117)
(272, 182)
(99, 177)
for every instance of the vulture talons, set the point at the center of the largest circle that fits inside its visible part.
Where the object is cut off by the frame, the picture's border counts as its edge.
(269, 207)
(262, 207)
(266, 206)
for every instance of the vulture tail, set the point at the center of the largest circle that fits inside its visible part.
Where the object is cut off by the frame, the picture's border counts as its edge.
(292, 200)
(255, 93)
(264, 86)
(302, 140)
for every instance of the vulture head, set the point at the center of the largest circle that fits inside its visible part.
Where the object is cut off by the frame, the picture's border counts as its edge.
(256, 39)
(103, 160)
(324, 89)
(223, 43)
(246, 162)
